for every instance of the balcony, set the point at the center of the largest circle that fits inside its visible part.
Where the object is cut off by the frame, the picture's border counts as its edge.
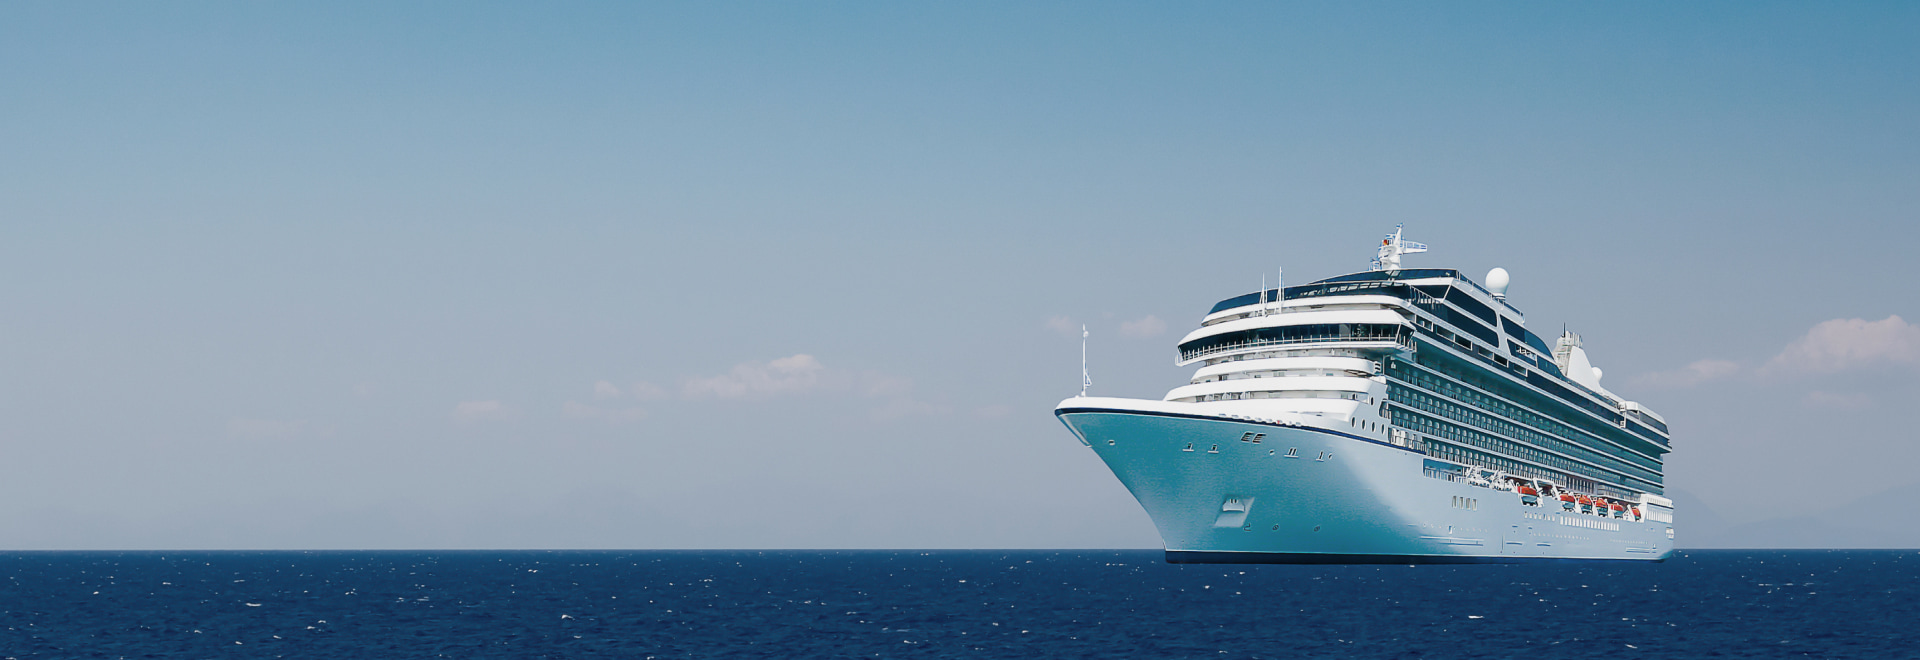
(1401, 340)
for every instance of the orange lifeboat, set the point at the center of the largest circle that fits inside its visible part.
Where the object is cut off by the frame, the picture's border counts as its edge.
(1636, 513)
(1618, 510)
(1566, 502)
(1529, 496)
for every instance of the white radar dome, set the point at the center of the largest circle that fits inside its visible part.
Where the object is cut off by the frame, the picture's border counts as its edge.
(1597, 373)
(1497, 281)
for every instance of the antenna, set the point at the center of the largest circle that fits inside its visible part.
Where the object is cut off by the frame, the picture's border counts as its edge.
(1263, 294)
(1281, 271)
(1086, 380)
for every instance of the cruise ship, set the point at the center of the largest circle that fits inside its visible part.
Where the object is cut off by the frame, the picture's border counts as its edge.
(1396, 415)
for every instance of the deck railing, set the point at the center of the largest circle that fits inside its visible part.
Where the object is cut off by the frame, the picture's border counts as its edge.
(1402, 339)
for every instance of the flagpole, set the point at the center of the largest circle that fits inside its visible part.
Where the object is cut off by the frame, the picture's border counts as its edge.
(1086, 380)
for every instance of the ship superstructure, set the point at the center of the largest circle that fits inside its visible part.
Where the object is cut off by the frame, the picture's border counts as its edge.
(1392, 415)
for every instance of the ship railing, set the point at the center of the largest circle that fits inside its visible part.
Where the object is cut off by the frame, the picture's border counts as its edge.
(1403, 340)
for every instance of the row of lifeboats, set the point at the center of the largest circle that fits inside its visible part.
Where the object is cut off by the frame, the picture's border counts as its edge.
(1576, 503)
(1569, 502)
(1593, 506)
(1597, 506)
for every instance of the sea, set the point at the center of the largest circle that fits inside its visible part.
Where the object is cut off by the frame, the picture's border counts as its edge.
(946, 604)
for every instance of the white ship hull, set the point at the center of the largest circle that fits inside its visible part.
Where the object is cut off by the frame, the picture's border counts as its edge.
(1312, 490)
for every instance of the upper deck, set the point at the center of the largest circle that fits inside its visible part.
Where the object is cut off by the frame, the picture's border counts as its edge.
(1452, 310)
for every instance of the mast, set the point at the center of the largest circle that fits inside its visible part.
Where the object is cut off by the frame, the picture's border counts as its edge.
(1393, 247)
(1263, 294)
(1086, 380)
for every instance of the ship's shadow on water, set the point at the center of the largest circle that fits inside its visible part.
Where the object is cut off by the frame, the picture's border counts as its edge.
(1090, 604)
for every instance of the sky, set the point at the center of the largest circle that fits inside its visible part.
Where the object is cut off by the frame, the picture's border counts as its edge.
(811, 275)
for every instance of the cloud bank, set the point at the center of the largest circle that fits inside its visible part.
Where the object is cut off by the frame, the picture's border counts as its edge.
(1700, 371)
(1145, 327)
(787, 375)
(802, 374)
(1848, 344)
(1830, 347)
(1062, 326)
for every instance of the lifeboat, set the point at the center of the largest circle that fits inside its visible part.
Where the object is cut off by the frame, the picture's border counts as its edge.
(1619, 511)
(1636, 513)
(1566, 502)
(1529, 496)
(1586, 505)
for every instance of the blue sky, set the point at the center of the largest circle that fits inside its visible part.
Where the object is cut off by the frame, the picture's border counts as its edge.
(791, 275)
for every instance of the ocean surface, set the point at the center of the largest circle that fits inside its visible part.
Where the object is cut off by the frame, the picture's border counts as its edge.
(937, 604)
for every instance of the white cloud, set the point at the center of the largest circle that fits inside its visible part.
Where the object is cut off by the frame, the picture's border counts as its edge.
(1840, 401)
(1698, 372)
(262, 429)
(879, 384)
(1844, 344)
(802, 374)
(577, 410)
(646, 391)
(605, 390)
(787, 375)
(482, 411)
(897, 397)
(1144, 327)
(1063, 325)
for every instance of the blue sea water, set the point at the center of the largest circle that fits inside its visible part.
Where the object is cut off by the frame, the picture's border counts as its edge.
(968, 604)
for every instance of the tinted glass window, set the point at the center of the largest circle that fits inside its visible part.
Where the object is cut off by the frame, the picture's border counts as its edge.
(1470, 325)
(1474, 307)
(1291, 333)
